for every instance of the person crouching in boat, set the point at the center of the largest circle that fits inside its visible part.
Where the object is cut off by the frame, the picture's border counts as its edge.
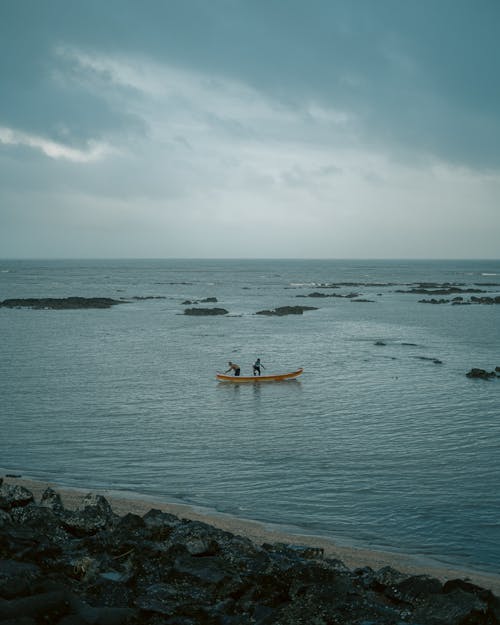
(256, 367)
(233, 367)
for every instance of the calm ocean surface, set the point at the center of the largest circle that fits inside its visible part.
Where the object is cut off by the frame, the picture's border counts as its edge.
(376, 445)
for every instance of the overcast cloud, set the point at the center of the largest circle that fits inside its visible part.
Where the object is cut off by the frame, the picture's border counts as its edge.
(250, 128)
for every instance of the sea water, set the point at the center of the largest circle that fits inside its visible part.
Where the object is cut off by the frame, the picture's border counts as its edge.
(383, 442)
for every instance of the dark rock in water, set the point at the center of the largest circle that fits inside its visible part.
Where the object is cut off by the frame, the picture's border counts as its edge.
(159, 569)
(140, 298)
(338, 295)
(206, 311)
(380, 343)
(316, 294)
(207, 300)
(66, 303)
(485, 300)
(459, 301)
(481, 373)
(286, 310)
(361, 299)
(436, 361)
(439, 290)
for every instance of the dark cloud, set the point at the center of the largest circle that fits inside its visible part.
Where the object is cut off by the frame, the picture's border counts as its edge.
(419, 76)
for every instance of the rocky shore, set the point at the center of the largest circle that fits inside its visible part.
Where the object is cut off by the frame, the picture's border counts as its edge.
(88, 564)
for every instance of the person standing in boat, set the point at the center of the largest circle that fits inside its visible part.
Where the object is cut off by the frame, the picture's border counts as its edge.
(233, 367)
(256, 367)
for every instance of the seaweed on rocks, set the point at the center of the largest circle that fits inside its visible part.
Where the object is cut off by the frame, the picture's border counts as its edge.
(160, 569)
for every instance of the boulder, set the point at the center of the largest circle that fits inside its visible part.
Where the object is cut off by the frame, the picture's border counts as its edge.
(92, 515)
(14, 496)
(52, 500)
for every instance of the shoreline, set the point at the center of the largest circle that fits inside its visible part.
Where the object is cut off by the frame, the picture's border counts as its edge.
(259, 533)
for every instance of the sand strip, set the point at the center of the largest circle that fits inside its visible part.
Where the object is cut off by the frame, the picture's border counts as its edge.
(259, 533)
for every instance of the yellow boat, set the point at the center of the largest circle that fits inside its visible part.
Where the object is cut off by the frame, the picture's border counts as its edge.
(279, 377)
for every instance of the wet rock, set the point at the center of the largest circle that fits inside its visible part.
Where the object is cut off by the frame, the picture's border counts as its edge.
(338, 295)
(485, 300)
(444, 289)
(205, 311)
(140, 298)
(459, 301)
(206, 300)
(65, 303)
(481, 373)
(436, 361)
(286, 310)
(316, 294)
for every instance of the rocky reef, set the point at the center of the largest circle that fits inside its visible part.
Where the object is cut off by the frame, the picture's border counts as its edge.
(206, 300)
(475, 372)
(460, 301)
(90, 566)
(318, 294)
(286, 310)
(205, 311)
(440, 289)
(63, 303)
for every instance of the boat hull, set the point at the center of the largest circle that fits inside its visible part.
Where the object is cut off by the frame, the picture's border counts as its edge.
(280, 377)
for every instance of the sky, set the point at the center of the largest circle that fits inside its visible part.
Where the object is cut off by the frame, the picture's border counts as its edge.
(250, 129)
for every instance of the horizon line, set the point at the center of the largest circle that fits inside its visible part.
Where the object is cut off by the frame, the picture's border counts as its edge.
(246, 258)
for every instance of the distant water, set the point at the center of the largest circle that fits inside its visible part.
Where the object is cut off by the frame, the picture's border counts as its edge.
(376, 445)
